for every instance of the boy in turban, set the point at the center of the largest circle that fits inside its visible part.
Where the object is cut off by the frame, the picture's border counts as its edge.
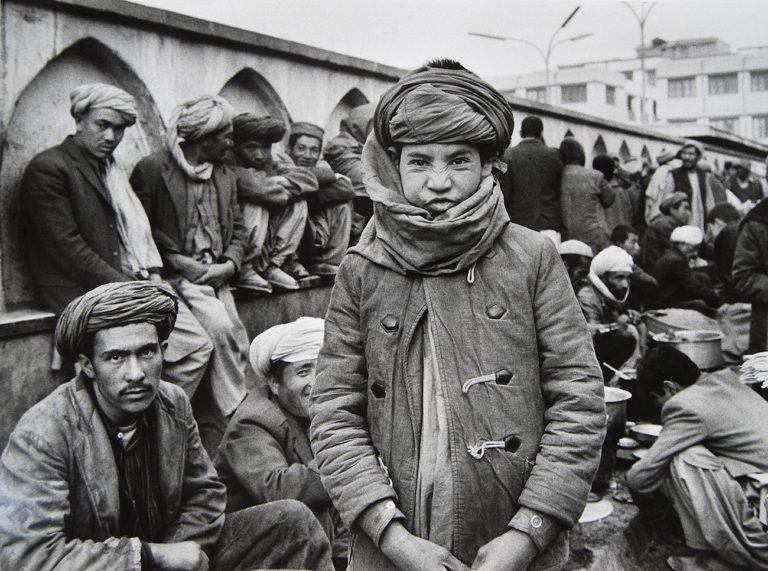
(87, 227)
(190, 197)
(265, 453)
(273, 198)
(326, 235)
(108, 471)
(457, 413)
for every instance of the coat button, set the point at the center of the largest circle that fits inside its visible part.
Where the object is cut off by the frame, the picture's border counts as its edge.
(390, 323)
(495, 311)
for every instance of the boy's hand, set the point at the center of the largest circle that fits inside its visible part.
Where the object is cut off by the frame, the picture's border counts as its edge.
(513, 550)
(411, 553)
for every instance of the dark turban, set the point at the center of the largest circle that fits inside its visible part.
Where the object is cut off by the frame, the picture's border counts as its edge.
(443, 106)
(307, 129)
(115, 305)
(250, 127)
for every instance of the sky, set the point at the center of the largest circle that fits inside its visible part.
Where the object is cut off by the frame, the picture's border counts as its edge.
(406, 33)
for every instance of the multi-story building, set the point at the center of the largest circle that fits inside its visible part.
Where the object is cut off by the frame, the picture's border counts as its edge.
(700, 82)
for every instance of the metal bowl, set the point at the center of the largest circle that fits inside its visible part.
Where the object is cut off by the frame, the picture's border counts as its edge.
(703, 347)
(645, 433)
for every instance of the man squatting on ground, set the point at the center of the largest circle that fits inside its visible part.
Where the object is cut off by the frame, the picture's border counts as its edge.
(108, 471)
(87, 228)
(265, 453)
(190, 197)
(329, 223)
(450, 330)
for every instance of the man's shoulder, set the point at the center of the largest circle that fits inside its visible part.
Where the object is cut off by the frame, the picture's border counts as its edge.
(51, 157)
(174, 400)
(154, 162)
(257, 411)
(46, 422)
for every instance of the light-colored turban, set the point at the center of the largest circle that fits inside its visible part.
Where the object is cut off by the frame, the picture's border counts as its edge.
(250, 127)
(115, 305)
(687, 235)
(443, 106)
(199, 117)
(299, 340)
(575, 247)
(612, 259)
(102, 96)
(307, 129)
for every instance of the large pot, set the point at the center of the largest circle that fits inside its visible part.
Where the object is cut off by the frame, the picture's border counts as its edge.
(705, 348)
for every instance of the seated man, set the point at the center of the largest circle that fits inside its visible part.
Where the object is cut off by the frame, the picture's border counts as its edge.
(745, 187)
(679, 285)
(723, 233)
(265, 453)
(86, 227)
(108, 471)
(614, 328)
(273, 200)
(190, 197)
(643, 286)
(328, 228)
(675, 211)
(714, 438)
(576, 257)
(344, 154)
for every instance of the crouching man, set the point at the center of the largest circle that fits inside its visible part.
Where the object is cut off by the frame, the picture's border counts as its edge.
(711, 460)
(265, 453)
(108, 471)
(457, 414)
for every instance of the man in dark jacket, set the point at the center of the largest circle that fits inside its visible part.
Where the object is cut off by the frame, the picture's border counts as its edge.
(531, 185)
(679, 286)
(265, 453)
(87, 228)
(190, 197)
(675, 211)
(723, 229)
(750, 272)
(108, 471)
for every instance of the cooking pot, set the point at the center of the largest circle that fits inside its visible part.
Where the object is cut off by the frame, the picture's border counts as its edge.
(703, 347)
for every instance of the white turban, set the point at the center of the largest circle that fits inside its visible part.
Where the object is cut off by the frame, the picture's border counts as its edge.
(575, 247)
(612, 259)
(687, 234)
(299, 340)
(199, 117)
(102, 96)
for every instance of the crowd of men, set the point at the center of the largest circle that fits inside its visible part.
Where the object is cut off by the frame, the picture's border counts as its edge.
(448, 412)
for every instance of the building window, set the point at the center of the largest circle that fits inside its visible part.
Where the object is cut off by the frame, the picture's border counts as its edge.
(537, 94)
(681, 87)
(610, 95)
(723, 84)
(760, 127)
(759, 80)
(729, 124)
(627, 74)
(631, 107)
(574, 93)
(650, 76)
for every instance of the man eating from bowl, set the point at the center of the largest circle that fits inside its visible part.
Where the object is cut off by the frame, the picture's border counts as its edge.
(711, 459)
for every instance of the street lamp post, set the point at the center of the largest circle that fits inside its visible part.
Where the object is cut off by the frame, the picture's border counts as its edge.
(550, 47)
(642, 17)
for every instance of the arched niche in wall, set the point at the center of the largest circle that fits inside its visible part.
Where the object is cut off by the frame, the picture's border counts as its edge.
(568, 133)
(599, 147)
(645, 154)
(624, 153)
(353, 98)
(41, 120)
(249, 92)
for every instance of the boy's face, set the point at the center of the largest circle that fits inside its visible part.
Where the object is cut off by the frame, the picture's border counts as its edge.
(438, 176)
(305, 151)
(631, 245)
(681, 213)
(294, 386)
(100, 131)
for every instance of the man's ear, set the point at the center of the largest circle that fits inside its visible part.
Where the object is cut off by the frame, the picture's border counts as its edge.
(394, 156)
(273, 384)
(487, 168)
(86, 365)
(670, 387)
(164, 346)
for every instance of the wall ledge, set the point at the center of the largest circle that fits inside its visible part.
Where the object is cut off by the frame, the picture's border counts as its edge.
(25, 322)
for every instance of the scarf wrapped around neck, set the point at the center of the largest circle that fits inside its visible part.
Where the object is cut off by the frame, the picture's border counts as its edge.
(406, 239)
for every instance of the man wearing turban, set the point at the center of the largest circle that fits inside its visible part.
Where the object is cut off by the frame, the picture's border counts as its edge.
(190, 196)
(108, 471)
(329, 222)
(87, 227)
(679, 284)
(457, 412)
(265, 454)
(615, 329)
(273, 197)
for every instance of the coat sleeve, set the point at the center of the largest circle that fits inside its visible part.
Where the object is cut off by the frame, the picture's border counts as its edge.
(34, 506)
(201, 515)
(333, 190)
(572, 389)
(256, 459)
(347, 459)
(46, 195)
(681, 429)
(235, 250)
(750, 276)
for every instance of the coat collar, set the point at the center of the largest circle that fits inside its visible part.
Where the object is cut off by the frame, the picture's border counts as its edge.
(87, 164)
